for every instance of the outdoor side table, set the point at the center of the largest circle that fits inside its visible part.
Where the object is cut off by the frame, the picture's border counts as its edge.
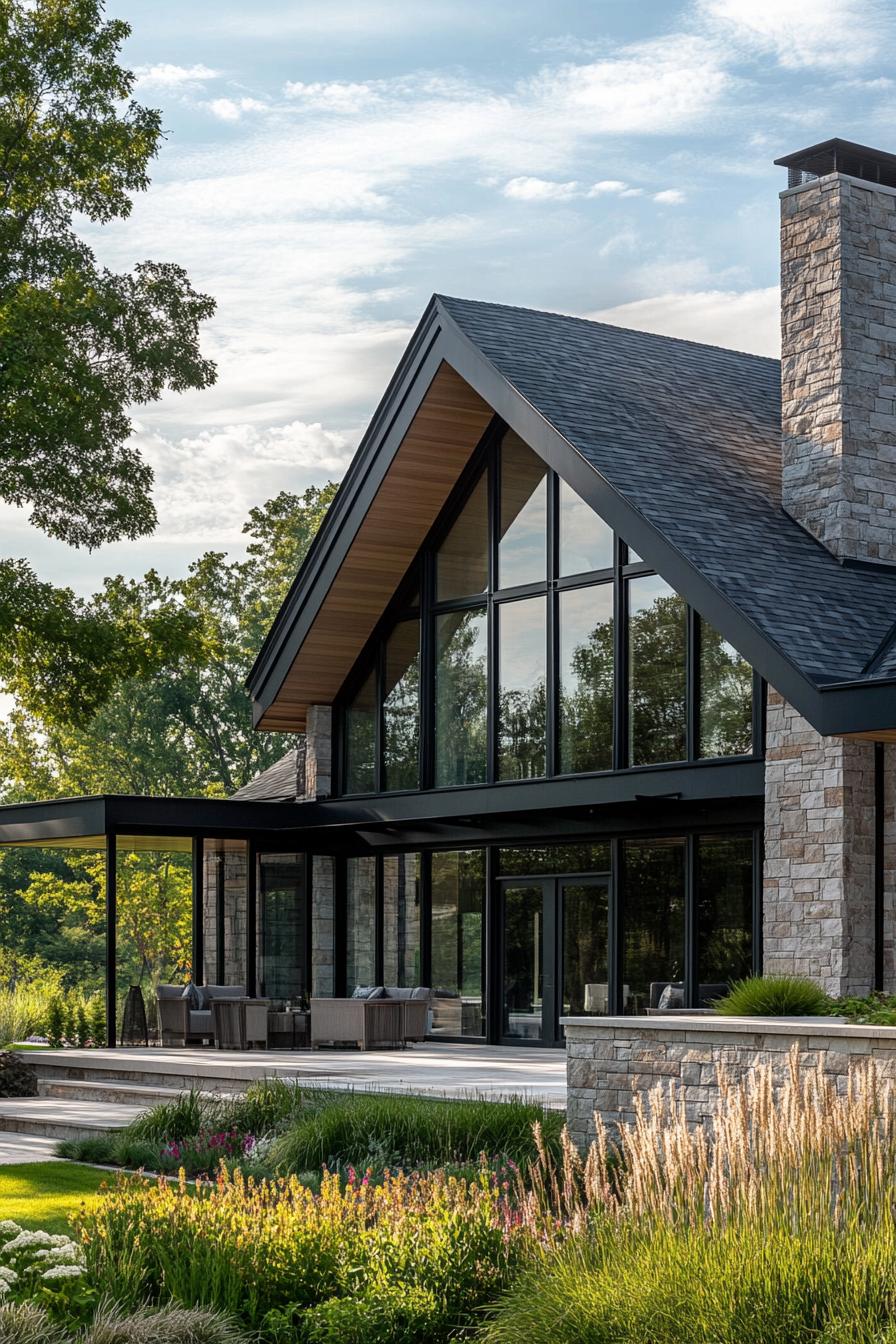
(287, 1029)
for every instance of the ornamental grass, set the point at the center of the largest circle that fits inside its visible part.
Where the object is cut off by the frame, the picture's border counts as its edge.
(773, 1222)
(413, 1257)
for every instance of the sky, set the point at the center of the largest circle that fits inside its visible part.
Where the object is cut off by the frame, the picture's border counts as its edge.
(329, 164)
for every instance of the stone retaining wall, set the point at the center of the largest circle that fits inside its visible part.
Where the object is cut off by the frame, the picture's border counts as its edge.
(608, 1059)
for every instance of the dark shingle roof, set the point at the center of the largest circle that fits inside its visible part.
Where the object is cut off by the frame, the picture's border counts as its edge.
(282, 782)
(689, 435)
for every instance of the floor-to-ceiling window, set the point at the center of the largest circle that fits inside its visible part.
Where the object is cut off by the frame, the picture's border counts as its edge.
(528, 642)
(282, 918)
(458, 943)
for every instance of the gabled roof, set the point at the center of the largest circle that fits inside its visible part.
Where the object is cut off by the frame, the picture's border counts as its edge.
(677, 446)
(282, 782)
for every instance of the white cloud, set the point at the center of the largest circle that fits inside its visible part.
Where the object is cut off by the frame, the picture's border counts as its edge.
(670, 197)
(232, 109)
(609, 187)
(537, 189)
(739, 320)
(247, 466)
(804, 34)
(336, 96)
(172, 78)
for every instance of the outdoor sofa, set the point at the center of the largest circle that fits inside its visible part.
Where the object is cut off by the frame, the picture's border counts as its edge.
(374, 1018)
(181, 1021)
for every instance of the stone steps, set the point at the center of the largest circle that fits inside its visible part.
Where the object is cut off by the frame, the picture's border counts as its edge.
(145, 1095)
(59, 1119)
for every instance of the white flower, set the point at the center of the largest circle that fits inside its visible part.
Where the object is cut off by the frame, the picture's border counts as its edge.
(60, 1255)
(8, 1228)
(63, 1272)
(7, 1276)
(59, 1239)
(4, 1287)
(26, 1239)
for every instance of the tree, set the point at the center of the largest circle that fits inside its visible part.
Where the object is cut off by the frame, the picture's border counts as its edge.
(79, 344)
(187, 728)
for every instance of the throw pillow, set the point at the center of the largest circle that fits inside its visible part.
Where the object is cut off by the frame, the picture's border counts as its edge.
(192, 995)
(362, 991)
(378, 992)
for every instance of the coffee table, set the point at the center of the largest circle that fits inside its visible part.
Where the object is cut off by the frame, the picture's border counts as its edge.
(288, 1028)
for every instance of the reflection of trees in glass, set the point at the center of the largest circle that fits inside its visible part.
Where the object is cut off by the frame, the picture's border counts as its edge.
(522, 548)
(652, 917)
(461, 697)
(585, 682)
(724, 908)
(726, 697)
(360, 739)
(458, 904)
(522, 697)
(401, 919)
(401, 707)
(585, 931)
(657, 654)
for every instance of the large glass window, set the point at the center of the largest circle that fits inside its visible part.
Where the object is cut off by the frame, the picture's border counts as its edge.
(653, 925)
(522, 549)
(584, 914)
(360, 739)
(458, 943)
(527, 860)
(360, 922)
(462, 558)
(657, 634)
(585, 679)
(461, 690)
(522, 704)
(401, 920)
(401, 707)
(724, 900)
(726, 697)
(586, 542)
(498, 659)
(282, 913)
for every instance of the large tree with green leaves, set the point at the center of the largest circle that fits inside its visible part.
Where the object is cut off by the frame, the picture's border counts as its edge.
(79, 344)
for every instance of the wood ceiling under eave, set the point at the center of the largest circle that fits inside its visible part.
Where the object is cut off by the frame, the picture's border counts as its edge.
(440, 440)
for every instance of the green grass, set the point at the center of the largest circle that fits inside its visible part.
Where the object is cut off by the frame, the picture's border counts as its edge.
(45, 1194)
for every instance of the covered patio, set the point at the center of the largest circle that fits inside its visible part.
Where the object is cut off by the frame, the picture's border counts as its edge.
(245, 866)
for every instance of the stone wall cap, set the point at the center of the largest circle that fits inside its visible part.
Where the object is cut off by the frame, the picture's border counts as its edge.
(762, 1026)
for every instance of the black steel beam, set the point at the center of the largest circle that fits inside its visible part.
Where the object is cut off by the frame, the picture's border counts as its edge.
(111, 938)
(196, 888)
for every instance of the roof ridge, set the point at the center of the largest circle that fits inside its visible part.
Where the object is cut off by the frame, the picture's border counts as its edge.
(606, 326)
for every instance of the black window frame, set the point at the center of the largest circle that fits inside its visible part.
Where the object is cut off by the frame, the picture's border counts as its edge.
(421, 577)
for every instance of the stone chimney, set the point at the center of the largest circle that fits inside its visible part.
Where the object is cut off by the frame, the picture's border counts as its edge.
(838, 326)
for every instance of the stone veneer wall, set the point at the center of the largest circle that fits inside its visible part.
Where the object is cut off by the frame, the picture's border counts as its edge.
(818, 882)
(838, 370)
(318, 784)
(235, 909)
(610, 1059)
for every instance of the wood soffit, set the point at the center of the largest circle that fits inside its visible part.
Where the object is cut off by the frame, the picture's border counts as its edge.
(441, 438)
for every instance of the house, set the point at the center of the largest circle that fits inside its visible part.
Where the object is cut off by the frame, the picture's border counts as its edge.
(594, 658)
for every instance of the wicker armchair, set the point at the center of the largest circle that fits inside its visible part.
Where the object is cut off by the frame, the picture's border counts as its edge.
(179, 1024)
(375, 1024)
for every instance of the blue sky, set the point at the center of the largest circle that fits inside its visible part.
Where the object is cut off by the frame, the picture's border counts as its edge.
(331, 163)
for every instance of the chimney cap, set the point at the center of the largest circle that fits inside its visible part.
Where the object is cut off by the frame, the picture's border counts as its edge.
(839, 156)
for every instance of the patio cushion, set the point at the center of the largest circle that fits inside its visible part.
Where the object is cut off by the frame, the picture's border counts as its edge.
(397, 992)
(223, 992)
(201, 1022)
(169, 991)
(421, 992)
(368, 992)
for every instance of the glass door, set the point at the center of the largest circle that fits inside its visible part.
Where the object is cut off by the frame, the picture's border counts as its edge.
(583, 910)
(527, 980)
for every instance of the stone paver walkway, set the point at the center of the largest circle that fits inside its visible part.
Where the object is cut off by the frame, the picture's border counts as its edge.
(26, 1148)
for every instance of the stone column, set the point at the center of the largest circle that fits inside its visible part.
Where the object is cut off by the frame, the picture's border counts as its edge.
(818, 885)
(838, 364)
(318, 752)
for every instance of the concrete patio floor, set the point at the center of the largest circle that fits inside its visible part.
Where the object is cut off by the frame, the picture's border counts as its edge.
(435, 1069)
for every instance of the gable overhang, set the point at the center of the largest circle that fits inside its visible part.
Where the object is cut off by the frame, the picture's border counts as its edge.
(440, 402)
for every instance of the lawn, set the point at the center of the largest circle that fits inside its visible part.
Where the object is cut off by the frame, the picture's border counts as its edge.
(45, 1194)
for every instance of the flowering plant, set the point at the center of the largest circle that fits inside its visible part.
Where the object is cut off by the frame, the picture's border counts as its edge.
(202, 1153)
(46, 1267)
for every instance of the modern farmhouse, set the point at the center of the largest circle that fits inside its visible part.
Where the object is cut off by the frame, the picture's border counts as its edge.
(594, 663)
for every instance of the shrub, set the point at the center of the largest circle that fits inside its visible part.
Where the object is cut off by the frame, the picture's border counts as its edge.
(276, 1256)
(877, 1010)
(167, 1325)
(380, 1130)
(176, 1120)
(22, 1013)
(46, 1269)
(55, 1023)
(96, 1022)
(774, 996)
(17, 1076)
(25, 1323)
(266, 1106)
